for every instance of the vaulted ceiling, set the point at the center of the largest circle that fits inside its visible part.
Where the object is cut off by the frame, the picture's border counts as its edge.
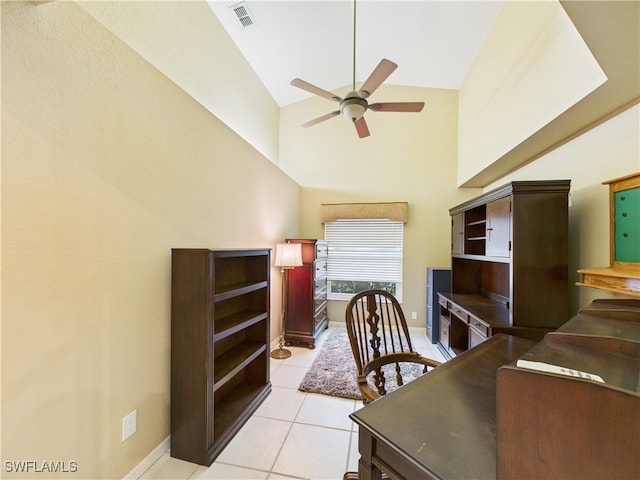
(314, 40)
(433, 42)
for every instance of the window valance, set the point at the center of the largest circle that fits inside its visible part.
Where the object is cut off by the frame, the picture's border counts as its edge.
(395, 211)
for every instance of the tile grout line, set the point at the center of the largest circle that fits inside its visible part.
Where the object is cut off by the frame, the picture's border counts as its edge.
(284, 440)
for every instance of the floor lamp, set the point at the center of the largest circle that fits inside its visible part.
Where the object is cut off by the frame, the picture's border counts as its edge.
(288, 256)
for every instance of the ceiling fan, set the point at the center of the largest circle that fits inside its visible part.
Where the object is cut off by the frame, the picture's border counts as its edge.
(354, 104)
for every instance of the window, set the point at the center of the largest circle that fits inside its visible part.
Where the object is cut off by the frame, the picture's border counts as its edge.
(364, 254)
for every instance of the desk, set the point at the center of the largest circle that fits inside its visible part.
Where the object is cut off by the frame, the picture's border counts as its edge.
(443, 424)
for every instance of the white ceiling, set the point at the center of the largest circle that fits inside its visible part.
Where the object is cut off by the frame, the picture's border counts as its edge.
(433, 42)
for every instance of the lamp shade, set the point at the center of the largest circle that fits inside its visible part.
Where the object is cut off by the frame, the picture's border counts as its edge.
(288, 255)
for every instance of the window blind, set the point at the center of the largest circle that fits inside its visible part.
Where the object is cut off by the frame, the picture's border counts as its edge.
(365, 250)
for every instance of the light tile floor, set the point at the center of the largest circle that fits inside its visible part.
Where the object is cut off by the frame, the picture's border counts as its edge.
(293, 435)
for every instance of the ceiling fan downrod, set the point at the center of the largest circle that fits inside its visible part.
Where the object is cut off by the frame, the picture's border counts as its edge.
(353, 106)
(354, 45)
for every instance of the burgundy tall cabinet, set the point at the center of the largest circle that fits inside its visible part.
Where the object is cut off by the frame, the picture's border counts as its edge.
(306, 303)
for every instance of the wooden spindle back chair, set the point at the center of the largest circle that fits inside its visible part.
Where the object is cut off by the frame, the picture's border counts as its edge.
(380, 342)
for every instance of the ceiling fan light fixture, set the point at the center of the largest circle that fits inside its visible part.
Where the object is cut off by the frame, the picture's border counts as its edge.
(353, 108)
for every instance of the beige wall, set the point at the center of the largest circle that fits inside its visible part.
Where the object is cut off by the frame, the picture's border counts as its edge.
(518, 87)
(408, 157)
(427, 181)
(175, 37)
(533, 67)
(518, 84)
(106, 165)
(608, 151)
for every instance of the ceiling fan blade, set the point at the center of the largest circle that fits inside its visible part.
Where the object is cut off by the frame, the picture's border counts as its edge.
(315, 121)
(296, 82)
(361, 128)
(397, 107)
(379, 75)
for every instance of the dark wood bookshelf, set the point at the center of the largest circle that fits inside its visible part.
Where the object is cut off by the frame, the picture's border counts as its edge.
(219, 347)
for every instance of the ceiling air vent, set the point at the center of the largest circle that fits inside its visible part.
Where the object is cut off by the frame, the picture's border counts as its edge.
(244, 16)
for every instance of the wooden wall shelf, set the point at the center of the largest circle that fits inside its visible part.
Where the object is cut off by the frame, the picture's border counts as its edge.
(625, 281)
(623, 274)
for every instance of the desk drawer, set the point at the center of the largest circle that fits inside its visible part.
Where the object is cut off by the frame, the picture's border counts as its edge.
(322, 249)
(480, 327)
(319, 305)
(458, 312)
(444, 332)
(320, 269)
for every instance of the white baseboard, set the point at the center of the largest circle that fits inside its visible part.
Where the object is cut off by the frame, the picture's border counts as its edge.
(149, 460)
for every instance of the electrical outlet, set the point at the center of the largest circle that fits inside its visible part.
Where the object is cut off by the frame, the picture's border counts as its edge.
(414, 315)
(129, 424)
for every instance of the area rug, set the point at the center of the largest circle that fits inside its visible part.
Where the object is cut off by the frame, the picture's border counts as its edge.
(333, 372)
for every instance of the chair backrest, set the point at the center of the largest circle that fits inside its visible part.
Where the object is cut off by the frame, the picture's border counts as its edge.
(376, 327)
